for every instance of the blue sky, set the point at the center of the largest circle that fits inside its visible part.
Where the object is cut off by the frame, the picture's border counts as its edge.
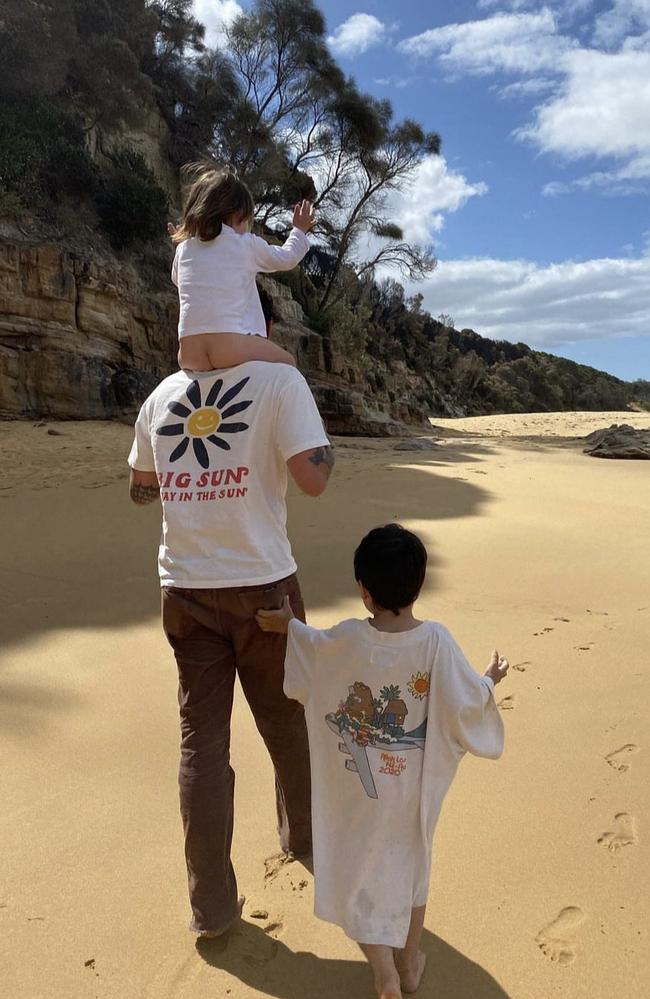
(538, 207)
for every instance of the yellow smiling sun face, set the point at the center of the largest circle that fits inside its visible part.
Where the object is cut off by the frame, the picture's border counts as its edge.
(202, 418)
(203, 422)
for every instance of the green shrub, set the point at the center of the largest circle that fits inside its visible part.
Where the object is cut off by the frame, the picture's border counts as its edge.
(42, 153)
(130, 204)
(346, 329)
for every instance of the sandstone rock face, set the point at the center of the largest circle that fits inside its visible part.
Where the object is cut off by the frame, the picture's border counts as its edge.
(149, 139)
(80, 338)
(619, 441)
(84, 336)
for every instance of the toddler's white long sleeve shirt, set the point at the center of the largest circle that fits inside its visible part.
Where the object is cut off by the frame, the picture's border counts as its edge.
(216, 280)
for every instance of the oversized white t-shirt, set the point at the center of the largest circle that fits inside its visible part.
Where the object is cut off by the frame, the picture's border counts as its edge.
(389, 718)
(216, 279)
(219, 442)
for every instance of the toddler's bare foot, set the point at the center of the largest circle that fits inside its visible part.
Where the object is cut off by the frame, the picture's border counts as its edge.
(213, 934)
(410, 971)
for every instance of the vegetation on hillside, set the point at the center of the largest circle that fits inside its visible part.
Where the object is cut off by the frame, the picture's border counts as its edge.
(274, 105)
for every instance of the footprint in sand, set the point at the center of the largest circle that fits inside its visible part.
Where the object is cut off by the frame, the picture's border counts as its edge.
(623, 834)
(174, 977)
(507, 703)
(254, 948)
(274, 864)
(617, 759)
(556, 940)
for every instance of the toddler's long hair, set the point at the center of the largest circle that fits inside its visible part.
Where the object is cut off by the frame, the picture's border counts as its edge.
(213, 197)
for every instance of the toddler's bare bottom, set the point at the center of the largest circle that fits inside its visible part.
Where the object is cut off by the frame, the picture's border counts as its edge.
(214, 351)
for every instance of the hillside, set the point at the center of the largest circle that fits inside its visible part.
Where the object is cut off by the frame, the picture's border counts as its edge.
(91, 143)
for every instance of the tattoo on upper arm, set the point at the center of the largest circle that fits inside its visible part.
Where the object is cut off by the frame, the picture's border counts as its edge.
(323, 456)
(143, 494)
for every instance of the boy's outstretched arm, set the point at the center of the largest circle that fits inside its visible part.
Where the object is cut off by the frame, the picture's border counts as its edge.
(498, 668)
(276, 620)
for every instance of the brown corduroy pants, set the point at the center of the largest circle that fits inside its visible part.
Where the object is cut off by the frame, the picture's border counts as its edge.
(214, 636)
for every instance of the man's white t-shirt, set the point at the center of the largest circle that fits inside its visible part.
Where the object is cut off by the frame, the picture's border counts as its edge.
(219, 442)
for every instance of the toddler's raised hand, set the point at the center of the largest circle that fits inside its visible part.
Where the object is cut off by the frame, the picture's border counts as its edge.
(498, 667)
(303, 216)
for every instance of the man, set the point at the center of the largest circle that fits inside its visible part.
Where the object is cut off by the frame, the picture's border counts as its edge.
(215, 446)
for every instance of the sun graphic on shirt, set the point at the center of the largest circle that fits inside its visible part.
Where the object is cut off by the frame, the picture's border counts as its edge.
(418, 685)
(205, 420)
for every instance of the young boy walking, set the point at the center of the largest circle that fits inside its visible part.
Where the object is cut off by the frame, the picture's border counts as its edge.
(392, 705)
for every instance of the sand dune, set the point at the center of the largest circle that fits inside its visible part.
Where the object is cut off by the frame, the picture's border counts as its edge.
(541, 860)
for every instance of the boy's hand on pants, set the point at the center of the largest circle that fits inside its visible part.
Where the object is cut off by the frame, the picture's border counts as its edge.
(498, 668)
(276, 620)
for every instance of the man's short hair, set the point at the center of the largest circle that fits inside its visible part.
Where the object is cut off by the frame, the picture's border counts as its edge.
(391, 563)
(268, 305)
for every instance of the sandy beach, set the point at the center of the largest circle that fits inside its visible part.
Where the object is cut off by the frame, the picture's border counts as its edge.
(541, 865)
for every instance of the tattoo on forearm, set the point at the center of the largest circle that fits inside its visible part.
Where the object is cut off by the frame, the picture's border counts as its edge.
(143, 494)
(323, 456)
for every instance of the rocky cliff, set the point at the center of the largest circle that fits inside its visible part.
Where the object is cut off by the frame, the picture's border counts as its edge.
(85, 335)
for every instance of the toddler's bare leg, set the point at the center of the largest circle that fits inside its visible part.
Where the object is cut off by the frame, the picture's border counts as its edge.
(382, 962)
(410, 961)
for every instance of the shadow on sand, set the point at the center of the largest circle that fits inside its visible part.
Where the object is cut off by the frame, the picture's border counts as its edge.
(271, 968)
(75, 558)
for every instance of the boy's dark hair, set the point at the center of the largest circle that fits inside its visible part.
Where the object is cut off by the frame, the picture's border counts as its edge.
(213, 197)
(391, 563)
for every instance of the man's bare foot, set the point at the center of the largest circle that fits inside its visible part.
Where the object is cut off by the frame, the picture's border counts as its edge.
(410, 972)
(213, 934)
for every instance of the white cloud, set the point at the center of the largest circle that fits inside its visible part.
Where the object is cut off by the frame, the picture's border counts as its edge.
(544, 306)
(600, 104)
(571, 9)
(509, 4)
(515, 43)
(433, 191)
(526, 88)
(623, 18)
(358, 34)
(603, 109)
(400, 82)
(216, 15)
(632, 178)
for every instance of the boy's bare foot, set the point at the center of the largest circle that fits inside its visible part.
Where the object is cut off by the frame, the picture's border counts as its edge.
(410, 971)
(382, 961)
(388, 989)
(213, 934)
